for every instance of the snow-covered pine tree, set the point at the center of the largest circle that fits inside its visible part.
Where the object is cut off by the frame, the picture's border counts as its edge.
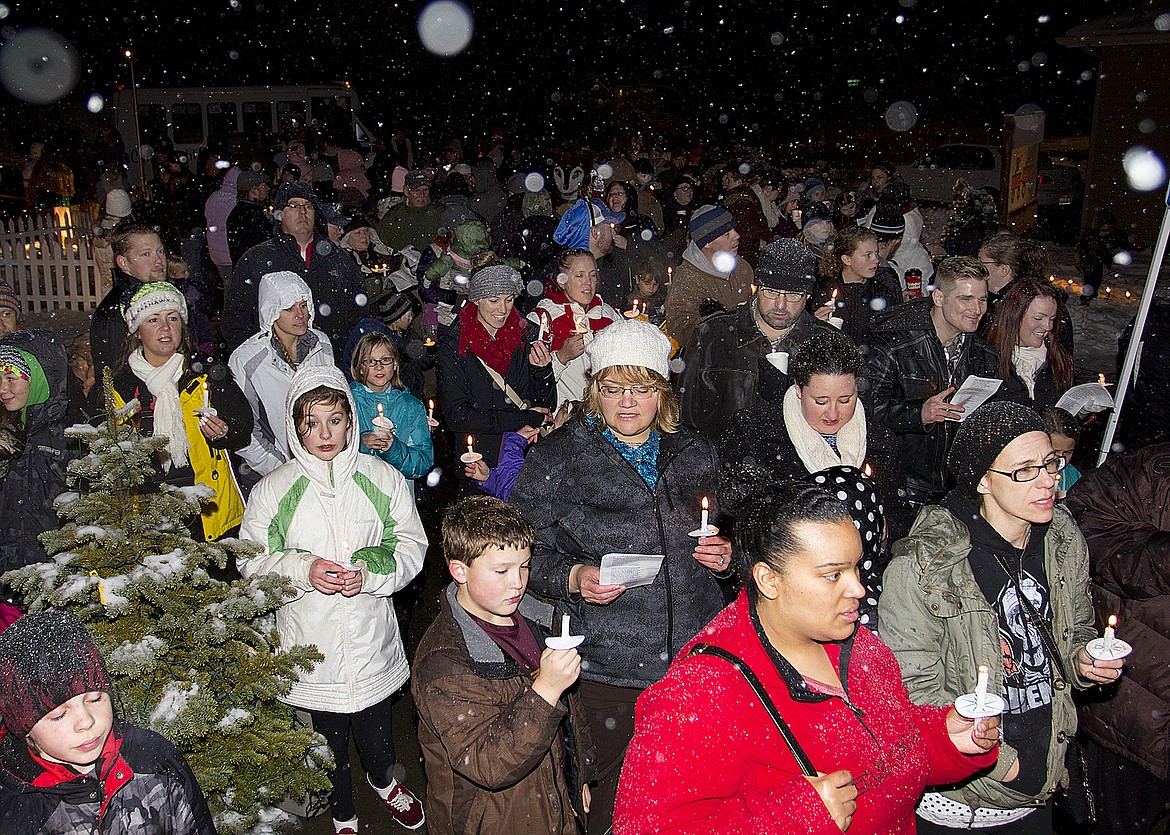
(193, 657)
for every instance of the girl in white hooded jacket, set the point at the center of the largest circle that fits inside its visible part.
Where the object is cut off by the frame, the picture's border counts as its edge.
(265, 363)
(342, 526)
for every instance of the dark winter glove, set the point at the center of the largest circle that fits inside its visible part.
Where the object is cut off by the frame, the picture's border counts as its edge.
(709, 307)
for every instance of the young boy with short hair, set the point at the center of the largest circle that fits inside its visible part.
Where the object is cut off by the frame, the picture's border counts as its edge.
(506, 748)
(68, 764)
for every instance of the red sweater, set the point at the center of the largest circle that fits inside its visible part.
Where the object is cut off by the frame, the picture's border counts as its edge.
(707, 758)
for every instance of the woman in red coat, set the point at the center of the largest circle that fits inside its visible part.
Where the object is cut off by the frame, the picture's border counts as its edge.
(706, 756)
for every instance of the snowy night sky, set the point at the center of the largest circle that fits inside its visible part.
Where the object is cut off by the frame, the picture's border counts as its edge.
(749, 71)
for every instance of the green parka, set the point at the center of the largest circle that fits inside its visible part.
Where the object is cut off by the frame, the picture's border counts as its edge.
(941, 628)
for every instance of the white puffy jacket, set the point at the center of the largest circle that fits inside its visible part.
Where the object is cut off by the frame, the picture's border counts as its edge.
(310, 508)
(264, 374)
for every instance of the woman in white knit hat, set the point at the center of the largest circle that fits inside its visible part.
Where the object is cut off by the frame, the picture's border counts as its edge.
(190, 399)
(624, 477)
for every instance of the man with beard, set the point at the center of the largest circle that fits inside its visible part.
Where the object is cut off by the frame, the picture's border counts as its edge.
(723, 360)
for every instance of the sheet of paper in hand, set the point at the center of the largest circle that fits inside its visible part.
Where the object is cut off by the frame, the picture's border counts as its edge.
(630, 570)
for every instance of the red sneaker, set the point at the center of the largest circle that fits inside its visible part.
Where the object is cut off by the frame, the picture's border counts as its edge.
(403, 806)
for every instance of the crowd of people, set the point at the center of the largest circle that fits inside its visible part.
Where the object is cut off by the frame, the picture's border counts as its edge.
(705, 415)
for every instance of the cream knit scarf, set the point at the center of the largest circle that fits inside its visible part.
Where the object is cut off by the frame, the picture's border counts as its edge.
(1028, 362)
(814, 451)
(163, 383)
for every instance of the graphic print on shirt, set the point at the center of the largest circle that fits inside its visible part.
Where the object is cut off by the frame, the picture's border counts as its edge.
(1027, 680)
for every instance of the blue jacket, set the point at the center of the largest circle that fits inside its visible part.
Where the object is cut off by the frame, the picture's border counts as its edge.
(411, 453)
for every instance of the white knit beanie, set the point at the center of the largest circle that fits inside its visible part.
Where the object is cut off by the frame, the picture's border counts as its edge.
(630, 342)
(150, 299)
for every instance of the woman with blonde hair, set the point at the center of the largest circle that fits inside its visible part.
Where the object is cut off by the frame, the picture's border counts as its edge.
(624, 477)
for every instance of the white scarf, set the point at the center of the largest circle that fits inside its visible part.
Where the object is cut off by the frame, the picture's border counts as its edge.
(1028, 362)
(814, 451)
(163, 383)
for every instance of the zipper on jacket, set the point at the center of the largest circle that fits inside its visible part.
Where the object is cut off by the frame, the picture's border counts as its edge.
(860, 715)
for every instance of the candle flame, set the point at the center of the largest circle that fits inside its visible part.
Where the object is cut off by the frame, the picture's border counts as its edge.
(868, 471)
(430, 404)
(1113, 620)
(470, 440)
(706, 504)
(1101, 379)
(834, 294)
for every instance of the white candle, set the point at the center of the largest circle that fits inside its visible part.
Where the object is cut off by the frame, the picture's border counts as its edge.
(669, 273)
(206, 396)
(981, 687)
(1101, 379)
(565, 625)
(430, 410)
(703, 524)
(470, 448)
(632, 313)
(345, 555)
(543, 326)
(1110, 633)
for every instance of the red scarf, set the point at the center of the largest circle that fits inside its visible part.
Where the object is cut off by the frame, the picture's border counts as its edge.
(473, 336)
(564, 325)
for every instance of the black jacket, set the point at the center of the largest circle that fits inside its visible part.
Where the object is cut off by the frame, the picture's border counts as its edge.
(248, 224)
(143, 787)
(756, 446)
(586, 501)
(107, 328)
(907, 365)
(859, 304)
(472, 404)
(332, 275)
(36, 475)
(1045, 393)
(723, 366)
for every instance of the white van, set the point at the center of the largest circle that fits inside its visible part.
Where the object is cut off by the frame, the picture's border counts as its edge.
(192, 118)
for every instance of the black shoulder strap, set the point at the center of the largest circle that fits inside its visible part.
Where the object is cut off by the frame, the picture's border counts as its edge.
(802, 759)
(1037, 621)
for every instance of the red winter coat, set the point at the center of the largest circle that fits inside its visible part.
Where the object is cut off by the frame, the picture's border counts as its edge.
(707, 758)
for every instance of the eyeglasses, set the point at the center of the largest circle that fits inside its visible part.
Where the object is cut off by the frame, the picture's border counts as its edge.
(299, 207)
(385, 362)
(637, 392)
(772, 295)
(1052, 466)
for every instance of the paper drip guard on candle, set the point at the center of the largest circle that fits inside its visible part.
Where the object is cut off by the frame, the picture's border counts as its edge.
(564, 640)
(471, 456)
(1109, 647)
(980, 704)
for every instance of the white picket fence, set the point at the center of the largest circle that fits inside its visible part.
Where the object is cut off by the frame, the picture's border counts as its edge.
(47, 260)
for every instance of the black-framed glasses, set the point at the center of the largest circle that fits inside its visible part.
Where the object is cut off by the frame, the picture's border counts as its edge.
(1031, 473)
(772, 295)
(385, 362)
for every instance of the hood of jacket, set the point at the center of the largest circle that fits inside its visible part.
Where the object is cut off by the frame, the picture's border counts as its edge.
(470, 238)
(49, 366)
(325, 473)
(278, 292)
(695, 256)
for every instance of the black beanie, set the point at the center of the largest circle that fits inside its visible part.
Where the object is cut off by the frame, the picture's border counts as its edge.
(787, 264)
(46, 659)
(983, 436)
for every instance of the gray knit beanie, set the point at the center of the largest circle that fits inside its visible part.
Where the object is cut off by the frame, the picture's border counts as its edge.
(494, 280)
